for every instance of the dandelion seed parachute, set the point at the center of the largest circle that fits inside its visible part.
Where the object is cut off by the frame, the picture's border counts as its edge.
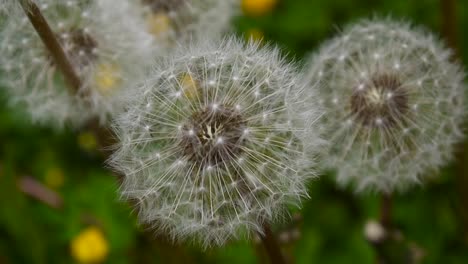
(207, 148)
(393, 102)
(173, 22)
(105, 44)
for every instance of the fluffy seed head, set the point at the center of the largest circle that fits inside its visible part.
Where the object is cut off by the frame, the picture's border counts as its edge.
(7, 6)
(106, 46)
(393, 102)
(180, 21)
(208, 146)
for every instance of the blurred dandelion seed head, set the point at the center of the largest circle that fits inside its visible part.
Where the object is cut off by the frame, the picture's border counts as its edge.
(209, 149)
(105, 50)
(173, 22)
(393, 101)
(164, 5)
(7, 6)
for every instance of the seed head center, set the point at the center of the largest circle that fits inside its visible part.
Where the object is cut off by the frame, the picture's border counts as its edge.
(211, 136)
(211, 133)
(375, 96)
(380, 101)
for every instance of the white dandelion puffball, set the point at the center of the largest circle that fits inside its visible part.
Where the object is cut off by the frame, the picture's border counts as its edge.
(393, 102)
(207, 147)
(105, 45)
(7, 5)
(172, 22)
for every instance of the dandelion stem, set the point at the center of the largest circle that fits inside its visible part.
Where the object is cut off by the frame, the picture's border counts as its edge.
(449, 31)
(52, 44)
(386, 223)
(449, 24)
(271, 246)
(386, 211)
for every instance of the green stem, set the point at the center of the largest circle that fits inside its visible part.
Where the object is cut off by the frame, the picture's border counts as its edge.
(449, 31)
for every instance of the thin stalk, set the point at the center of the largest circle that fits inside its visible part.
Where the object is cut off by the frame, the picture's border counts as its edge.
(386, 211)
(47, 36)
(449, 24)
(271, 246)
(450, 34)
(386, 222)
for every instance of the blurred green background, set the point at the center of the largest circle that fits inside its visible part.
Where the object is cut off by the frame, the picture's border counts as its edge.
(85, 218)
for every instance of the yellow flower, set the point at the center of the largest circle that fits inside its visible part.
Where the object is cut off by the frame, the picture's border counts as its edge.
(87, 141)
(258, 7)
(90, 246)
(107, 77)
(159, 24)
(54, 177)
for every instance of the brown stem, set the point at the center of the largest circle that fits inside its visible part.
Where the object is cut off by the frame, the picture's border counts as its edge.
(386, 222)
(52, 44)
(386, 211)
(449, 24)
(449, 31)
(271, 246)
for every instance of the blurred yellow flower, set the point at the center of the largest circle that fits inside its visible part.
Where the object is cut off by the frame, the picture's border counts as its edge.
(87, 141)
(90, 246)
(54, 177)
(258, 7)
(107, 77)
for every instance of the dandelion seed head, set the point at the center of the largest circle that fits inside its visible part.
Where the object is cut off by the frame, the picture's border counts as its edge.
(105, 44)
(401, 98)
(238, 168)
(182, 21)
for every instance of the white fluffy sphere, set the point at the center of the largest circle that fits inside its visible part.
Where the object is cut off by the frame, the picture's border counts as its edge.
(106, 46)
(174, 22)
(394, 104)
(207, 145)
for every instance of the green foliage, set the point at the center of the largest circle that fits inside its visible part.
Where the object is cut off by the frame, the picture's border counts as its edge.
(331, 230)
